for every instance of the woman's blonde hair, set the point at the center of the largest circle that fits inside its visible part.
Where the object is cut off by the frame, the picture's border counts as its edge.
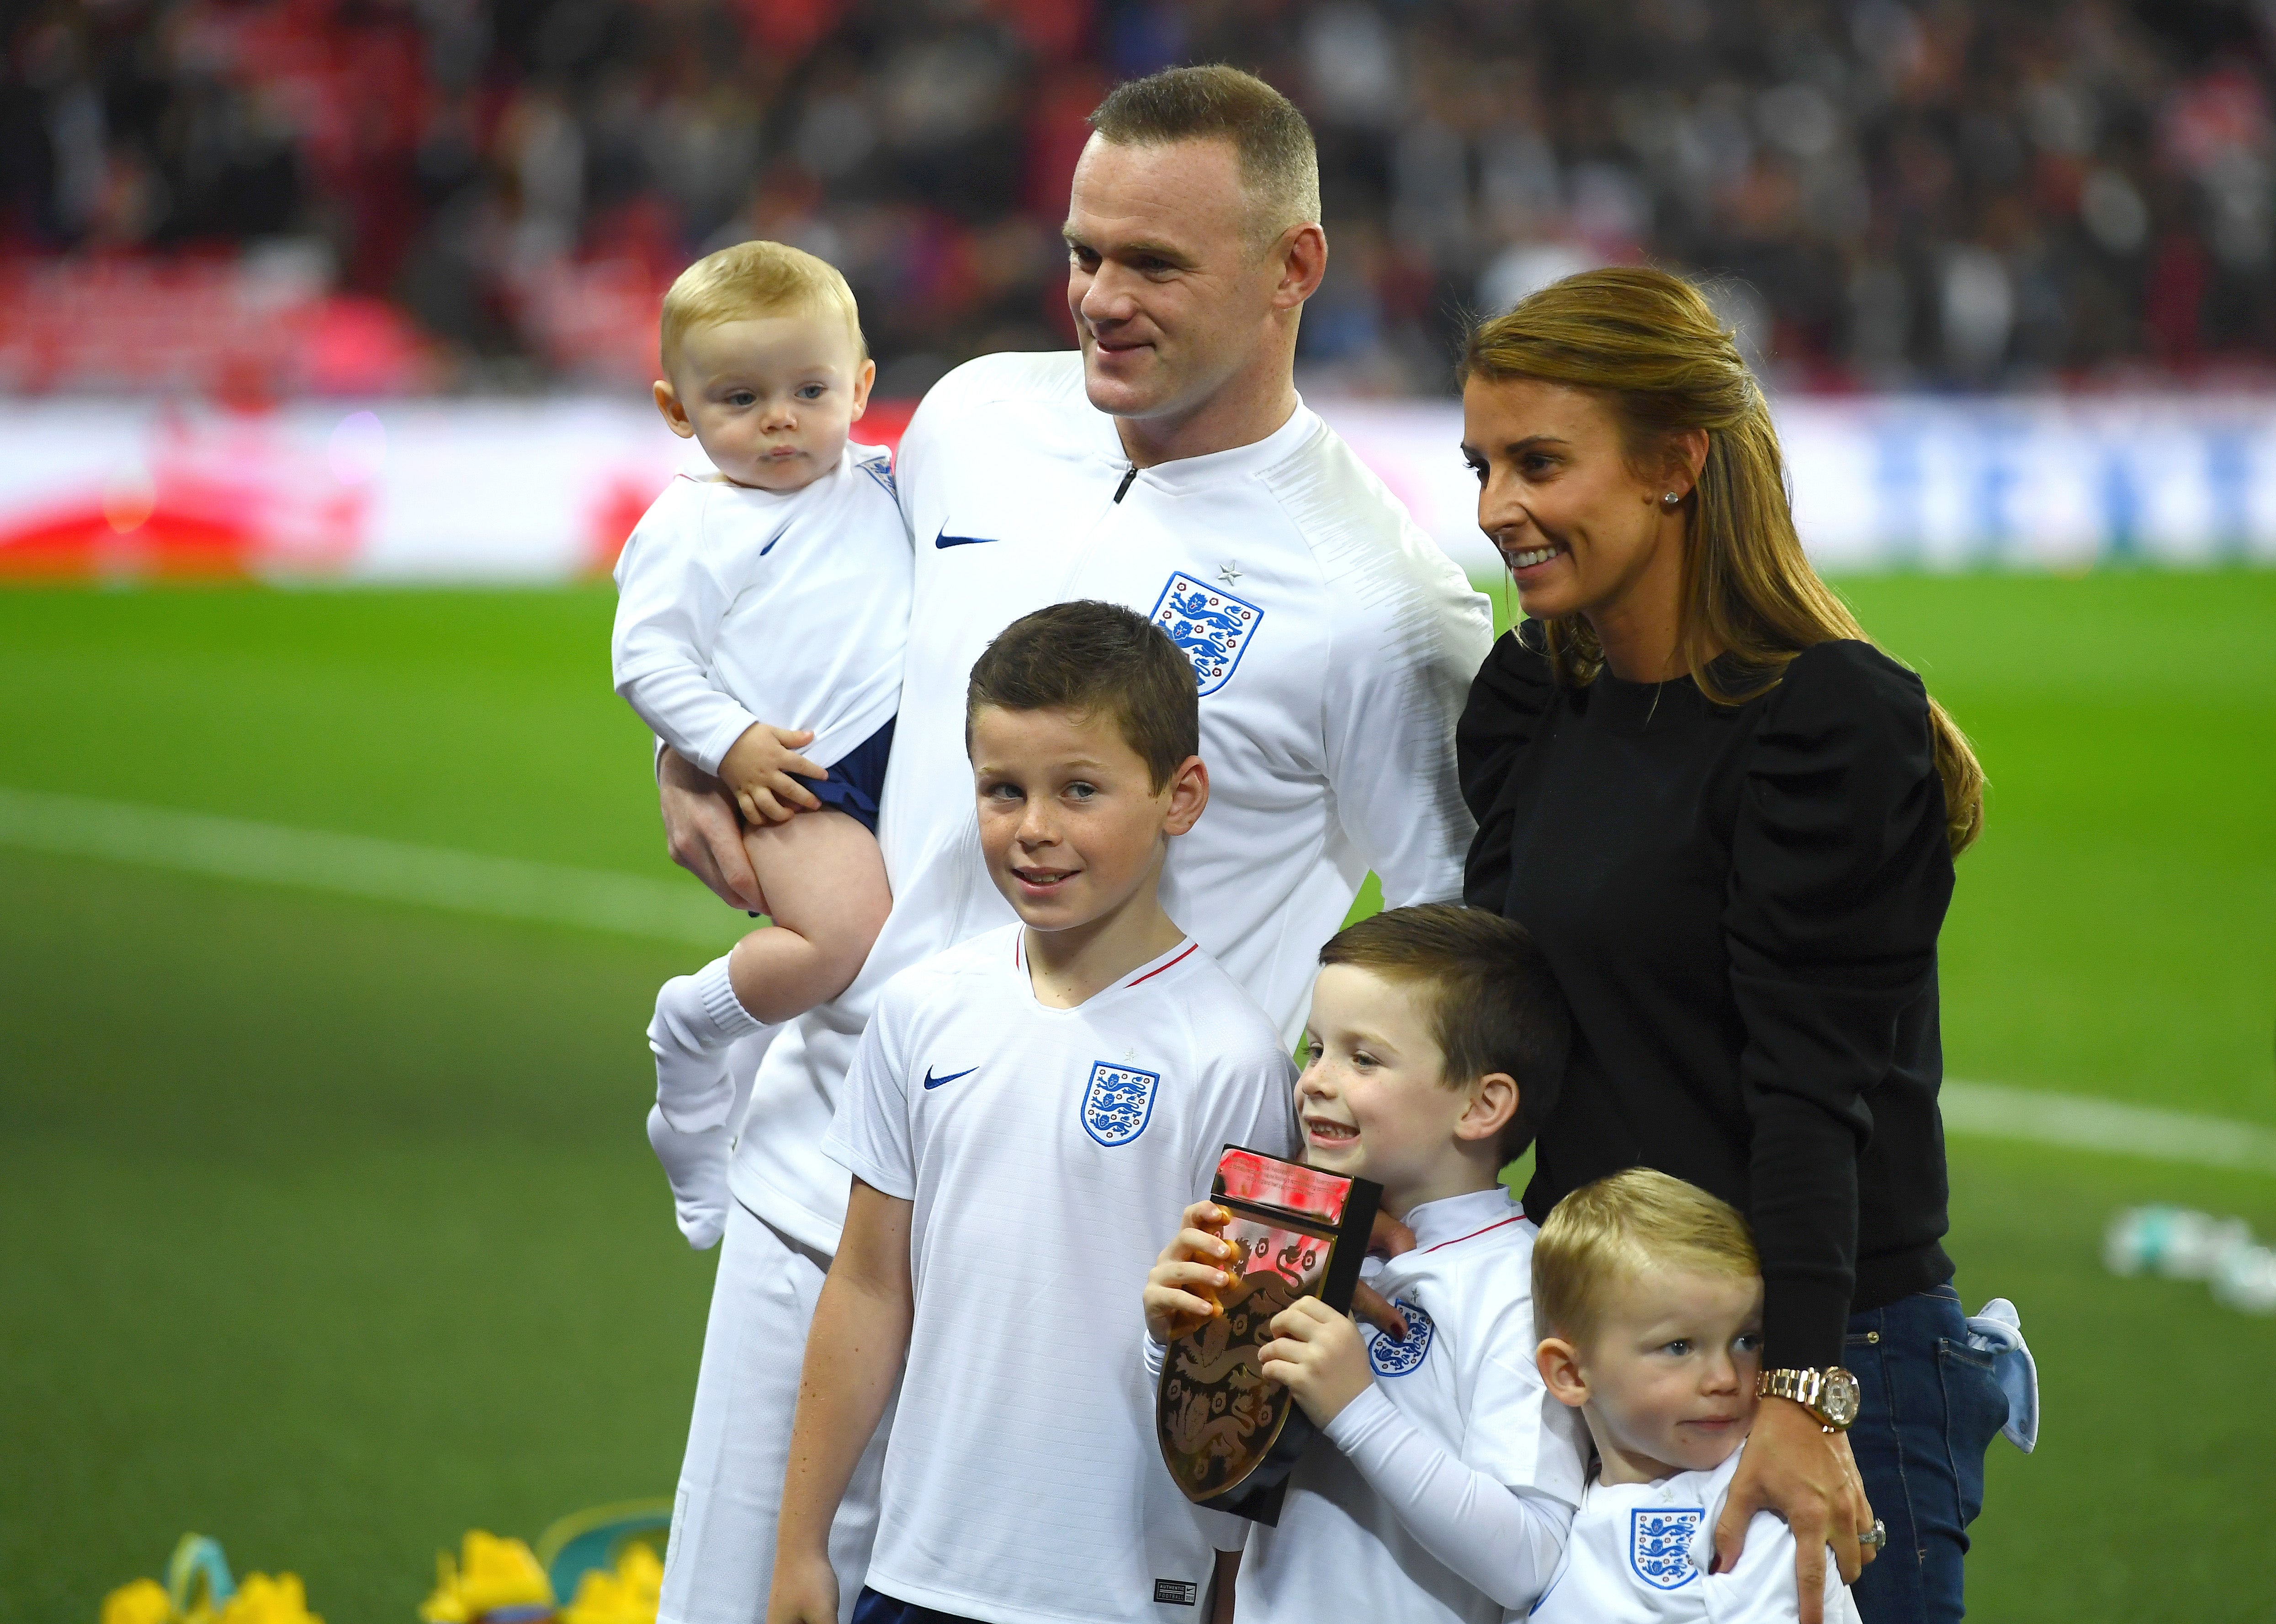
(1649, 345)
(1606, 1234)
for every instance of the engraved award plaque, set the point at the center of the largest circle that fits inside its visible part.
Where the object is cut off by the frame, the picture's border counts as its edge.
(1228, 1436)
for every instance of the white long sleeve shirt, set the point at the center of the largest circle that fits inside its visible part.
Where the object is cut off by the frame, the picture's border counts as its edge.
(1333, 641)
(1642, 1553)
(1443, 1493)
(736, 605)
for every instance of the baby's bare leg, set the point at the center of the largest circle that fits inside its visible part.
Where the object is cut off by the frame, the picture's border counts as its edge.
(826, 893)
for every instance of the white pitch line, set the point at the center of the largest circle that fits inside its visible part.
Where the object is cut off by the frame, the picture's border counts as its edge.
(1990, 1111)
(510, 888)
(383, 871)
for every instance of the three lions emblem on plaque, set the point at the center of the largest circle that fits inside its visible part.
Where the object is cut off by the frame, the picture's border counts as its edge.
(1228, 1436)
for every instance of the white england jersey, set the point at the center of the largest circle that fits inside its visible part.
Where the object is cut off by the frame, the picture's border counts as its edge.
(1333, 641)
(736, 605)
(1465, 1374)
(1048, 1154)
(1641, 1552)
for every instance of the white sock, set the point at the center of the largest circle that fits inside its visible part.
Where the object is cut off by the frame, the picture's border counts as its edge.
(697, 1019)
(695, 1164)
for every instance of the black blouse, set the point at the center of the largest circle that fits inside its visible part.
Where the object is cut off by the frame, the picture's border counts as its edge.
(1741, 904)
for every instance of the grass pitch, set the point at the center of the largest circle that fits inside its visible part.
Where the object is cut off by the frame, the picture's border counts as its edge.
(330, 1230)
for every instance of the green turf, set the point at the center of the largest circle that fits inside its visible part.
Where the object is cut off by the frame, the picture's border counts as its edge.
(330, 1229)
(2114, 931)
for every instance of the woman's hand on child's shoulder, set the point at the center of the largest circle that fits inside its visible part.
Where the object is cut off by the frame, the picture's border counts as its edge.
(1317, 1354)
(1182, 1286)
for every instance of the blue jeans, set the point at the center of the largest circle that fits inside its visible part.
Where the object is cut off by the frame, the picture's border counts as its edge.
(1930, 1407)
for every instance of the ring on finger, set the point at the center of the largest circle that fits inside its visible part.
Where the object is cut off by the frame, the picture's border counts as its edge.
(1877, 1537)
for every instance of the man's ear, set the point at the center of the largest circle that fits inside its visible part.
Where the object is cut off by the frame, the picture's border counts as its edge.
(1188, 795)
(1302, 253)
(1560, 1372)
(1493, 1101)
(675, 415)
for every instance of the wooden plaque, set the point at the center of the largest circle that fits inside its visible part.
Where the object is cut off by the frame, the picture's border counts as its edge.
(1228, 1436)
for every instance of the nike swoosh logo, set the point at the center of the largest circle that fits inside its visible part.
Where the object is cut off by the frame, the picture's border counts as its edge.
(932, 1081)
(944, 539)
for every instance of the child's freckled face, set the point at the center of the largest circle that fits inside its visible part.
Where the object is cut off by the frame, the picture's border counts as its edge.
(1071, 826)
(1372, 1097)
(1671, 1368)
(771, 399)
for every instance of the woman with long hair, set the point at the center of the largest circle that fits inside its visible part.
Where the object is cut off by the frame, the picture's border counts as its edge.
(1730, 821)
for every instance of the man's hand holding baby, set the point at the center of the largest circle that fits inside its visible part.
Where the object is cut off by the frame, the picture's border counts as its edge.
(757, 769)
(1317, 1354)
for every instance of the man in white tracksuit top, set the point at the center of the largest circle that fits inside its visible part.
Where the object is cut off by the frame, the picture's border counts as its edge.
(1170, 467)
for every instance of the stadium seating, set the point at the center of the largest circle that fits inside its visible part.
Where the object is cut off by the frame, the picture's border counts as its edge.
(471, 195)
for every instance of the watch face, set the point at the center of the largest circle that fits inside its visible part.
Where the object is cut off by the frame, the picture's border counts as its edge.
(1838, 1397)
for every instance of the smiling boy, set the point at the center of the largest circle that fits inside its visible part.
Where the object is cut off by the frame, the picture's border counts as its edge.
(1650, 1292)
(1024, 1112)
(1444, 1476)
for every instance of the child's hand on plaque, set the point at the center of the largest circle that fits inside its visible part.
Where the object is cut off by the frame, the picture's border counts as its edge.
(1182, 1287)
(1317, 1354)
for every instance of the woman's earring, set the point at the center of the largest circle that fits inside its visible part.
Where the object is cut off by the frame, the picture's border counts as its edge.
(1670, 500)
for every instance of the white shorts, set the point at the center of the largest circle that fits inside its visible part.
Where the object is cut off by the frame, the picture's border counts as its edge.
(722, 1556)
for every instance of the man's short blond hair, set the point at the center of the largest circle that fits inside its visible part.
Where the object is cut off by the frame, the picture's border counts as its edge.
(1279, 164)
(1606, 1234)
(754, 279)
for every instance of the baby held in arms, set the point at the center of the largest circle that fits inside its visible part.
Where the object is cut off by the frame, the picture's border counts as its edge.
(770, 587)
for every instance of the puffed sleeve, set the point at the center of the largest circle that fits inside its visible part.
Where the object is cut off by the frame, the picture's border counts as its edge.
(1840, 877)
(1508, 698)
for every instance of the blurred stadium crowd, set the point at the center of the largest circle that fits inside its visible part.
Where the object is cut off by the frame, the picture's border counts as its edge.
(360, 195)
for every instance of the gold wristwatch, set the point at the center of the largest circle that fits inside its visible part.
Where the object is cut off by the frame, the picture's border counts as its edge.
(1830, 1394)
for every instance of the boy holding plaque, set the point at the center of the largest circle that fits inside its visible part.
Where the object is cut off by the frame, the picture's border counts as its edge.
(1026, 1111)
(1444, 1477)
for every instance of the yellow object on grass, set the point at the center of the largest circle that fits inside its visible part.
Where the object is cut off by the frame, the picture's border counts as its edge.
(259, 1600)
(490, 1575)
(628, 1596)
(142, 1602)
(263, 1600)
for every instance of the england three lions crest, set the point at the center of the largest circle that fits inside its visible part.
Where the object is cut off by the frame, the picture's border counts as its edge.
(1119, 1102)
(1210, 624)
(1659, 1544)
(1395, 1356)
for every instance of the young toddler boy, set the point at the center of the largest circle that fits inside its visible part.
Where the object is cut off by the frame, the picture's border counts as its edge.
(1024, 1112)
(1443, 1478)
(1651, 1295)
(773, 585)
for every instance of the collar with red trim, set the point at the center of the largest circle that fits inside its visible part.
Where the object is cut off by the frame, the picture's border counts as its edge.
(1454, 1219)
(1185, 949)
